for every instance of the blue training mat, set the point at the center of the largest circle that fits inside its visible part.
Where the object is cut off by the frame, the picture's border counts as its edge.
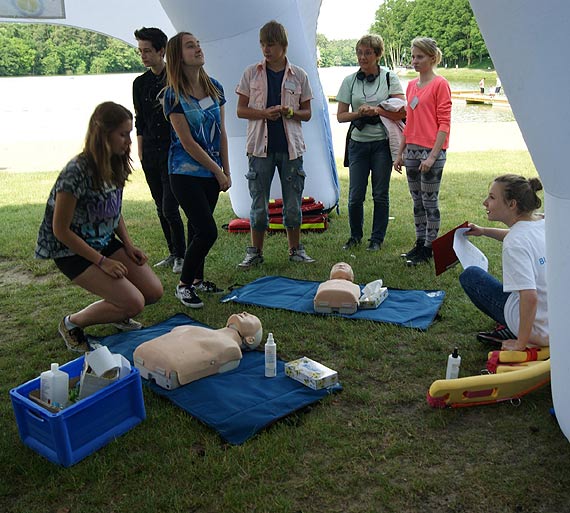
(409, 308)
(236, 404)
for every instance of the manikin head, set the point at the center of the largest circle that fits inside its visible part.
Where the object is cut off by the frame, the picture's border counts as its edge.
(248, 327)
(342, 271)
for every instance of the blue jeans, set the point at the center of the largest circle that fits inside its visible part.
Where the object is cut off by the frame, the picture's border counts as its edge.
(369, 158)
(259, 178)
(486, 292)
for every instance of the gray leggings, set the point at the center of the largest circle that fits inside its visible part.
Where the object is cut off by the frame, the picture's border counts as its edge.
(424, 189)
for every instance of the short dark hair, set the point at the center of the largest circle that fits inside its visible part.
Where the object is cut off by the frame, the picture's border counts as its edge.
(156, 37)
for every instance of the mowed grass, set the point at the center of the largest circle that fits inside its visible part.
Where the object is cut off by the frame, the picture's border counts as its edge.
(375, 447)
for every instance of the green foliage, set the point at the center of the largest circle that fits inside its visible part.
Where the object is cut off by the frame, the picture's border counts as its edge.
(336, 52)
(41, 49)
(375, 447)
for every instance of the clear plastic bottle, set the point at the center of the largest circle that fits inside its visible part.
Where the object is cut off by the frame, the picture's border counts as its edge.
(453, 364)
(270, 357)
(54, 387)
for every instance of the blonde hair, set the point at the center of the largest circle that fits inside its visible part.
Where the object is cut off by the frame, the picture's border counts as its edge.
(429, 47)
(175, 77)
(274, 32)
(107, 168)
(373, 41)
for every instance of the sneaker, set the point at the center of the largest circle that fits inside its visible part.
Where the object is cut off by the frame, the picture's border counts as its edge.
(497, 336)
(188, 296)
(300, 255)
(252, 257)
(75, 339)
(177, 265)
(423, 255)
(128, 325)
(419, 244)
(167, 262)
(350, 243)
(374, 245)
(207, 286)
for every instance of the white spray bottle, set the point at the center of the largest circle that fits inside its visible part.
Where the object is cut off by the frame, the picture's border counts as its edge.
(453, 364)
(270, 357)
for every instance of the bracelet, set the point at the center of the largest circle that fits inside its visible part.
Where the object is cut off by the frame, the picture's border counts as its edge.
(101, 261)
(290, 113)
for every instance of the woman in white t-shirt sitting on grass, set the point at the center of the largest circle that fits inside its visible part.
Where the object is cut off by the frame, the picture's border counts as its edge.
(518, 305)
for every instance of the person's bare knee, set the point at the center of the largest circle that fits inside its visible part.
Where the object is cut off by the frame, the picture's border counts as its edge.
(152, 295)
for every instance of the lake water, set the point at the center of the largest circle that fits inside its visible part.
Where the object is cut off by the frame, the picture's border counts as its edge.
(43, 119)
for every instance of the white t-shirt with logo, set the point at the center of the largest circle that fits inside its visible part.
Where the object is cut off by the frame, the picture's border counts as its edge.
(524, 268)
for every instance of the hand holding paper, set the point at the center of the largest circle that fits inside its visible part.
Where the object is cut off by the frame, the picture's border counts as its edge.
(467, 253)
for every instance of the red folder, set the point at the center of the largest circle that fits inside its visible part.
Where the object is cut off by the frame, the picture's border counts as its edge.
(443, 255)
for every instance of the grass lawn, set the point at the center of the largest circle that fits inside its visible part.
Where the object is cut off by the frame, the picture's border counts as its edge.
(375, 447)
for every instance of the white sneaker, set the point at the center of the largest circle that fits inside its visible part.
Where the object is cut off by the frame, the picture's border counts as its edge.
(177, 265)
(300, 255)
(167, 262)
(128, 325)
(252, 257)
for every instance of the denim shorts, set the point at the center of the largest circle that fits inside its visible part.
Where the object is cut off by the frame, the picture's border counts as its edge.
(72, 266)
(259, 178)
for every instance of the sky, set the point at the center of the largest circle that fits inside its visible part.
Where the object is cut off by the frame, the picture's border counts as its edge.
(339, 21)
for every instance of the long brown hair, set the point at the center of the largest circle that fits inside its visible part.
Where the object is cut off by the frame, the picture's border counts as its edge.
(107, 168)
(175, 77)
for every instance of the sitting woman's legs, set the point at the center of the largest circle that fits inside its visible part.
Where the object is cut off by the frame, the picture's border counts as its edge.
(121, 297)
(485, 291)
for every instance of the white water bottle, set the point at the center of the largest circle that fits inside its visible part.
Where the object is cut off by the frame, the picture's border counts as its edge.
(453, 364)
(270, 357)
(54, 387)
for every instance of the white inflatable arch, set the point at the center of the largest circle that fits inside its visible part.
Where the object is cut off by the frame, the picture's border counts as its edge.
(526, 40)
(229, 34)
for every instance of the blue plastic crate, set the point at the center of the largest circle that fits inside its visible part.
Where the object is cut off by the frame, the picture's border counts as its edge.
(72, 434)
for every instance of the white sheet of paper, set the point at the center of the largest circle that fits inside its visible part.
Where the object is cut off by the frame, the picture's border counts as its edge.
(467, 253)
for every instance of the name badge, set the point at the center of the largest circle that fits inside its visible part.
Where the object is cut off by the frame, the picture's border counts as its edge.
(289, 86)
(205, 103)
(414, 102)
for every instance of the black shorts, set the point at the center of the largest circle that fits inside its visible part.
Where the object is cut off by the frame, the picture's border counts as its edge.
(72, 266)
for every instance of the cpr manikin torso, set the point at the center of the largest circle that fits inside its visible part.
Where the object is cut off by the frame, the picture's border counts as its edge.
(188, 353)
(339, 293)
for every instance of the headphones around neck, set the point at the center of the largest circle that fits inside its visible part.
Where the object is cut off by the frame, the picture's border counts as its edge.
(369, 78)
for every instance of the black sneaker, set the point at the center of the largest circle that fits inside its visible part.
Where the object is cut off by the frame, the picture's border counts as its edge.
(374, 245)
(419, 244)
(188, 296)
(350, 243)
(423, 255)
(497, 336)
(207, 286)
(75, 339)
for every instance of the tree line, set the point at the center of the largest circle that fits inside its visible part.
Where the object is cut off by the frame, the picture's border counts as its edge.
(450, 22)
(42, 49)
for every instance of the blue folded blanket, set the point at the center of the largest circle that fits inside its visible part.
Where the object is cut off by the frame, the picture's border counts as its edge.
(410, 308)
(236, 404)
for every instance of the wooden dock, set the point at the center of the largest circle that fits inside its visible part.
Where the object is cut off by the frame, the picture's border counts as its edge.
(475, 97)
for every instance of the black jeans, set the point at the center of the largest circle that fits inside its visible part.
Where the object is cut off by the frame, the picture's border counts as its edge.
(155, 167)
(198, 198)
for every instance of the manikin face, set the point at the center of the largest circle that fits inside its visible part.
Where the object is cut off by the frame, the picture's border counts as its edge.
(274, 53)
(421, 61)
(120, 138)
(342, 271)
(248, 326)
(149, 56)
(497, 208)
(192, 54)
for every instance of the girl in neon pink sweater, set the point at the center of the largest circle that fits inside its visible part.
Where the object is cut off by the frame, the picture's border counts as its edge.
(424, 144)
